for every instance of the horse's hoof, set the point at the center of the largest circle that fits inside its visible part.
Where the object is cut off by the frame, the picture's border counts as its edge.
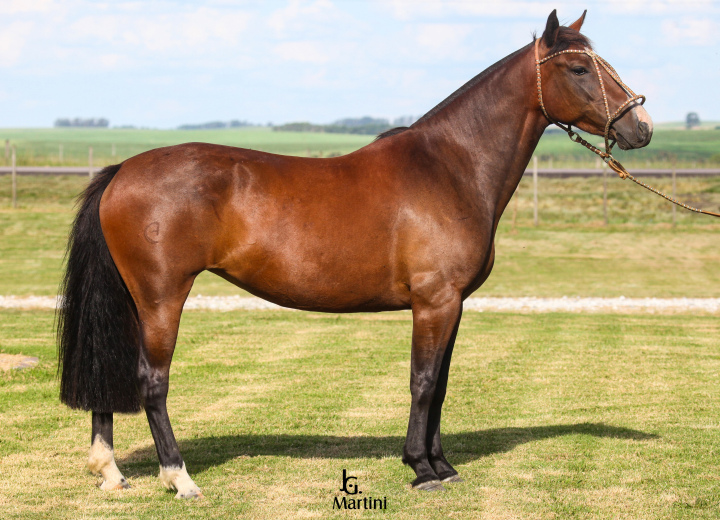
(191, 494)
(453, 478)
(113, 486)
(430, 485)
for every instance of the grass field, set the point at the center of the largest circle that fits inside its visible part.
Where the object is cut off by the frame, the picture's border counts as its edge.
(699, 148)
(547, 416)
(571, 254)
(42, 146)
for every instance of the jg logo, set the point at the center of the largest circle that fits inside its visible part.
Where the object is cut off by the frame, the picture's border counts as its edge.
(351, 488)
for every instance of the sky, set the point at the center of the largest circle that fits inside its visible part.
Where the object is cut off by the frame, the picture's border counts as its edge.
(164, 63)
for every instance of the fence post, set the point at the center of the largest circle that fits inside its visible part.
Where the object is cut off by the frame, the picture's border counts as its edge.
(674, 195)
(605, 215)
(61, 153)
(90, 163)
(14, 178)
(514, 213)
(535, 190)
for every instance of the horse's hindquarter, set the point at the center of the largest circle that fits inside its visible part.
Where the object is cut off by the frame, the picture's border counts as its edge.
(345, 234)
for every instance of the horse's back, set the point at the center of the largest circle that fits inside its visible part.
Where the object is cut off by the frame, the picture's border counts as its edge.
(274, 225)
(338, 234)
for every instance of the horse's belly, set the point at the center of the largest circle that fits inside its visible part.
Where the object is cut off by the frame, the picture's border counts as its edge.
(350, 277)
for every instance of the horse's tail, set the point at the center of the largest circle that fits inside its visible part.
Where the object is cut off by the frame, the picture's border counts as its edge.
(98, 329)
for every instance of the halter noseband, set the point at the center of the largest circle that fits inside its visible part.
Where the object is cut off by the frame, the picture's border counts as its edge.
(606, 155)
(598, 62)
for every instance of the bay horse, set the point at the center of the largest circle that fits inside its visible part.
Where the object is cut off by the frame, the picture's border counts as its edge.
(407, 222)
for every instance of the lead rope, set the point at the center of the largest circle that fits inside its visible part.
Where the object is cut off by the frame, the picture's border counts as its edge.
(606, 155)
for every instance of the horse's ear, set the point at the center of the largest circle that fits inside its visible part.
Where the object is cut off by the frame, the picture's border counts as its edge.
(577, 24)
(551, 29)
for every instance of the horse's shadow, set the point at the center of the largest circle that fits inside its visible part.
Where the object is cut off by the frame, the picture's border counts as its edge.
(203, 453)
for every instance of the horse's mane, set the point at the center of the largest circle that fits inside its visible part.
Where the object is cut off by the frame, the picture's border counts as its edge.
(566, 37)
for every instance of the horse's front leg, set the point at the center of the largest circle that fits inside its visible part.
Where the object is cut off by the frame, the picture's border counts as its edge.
(101, 460)
(434, 325)
(443, 469)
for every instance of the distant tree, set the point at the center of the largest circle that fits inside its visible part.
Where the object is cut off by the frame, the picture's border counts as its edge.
(361, 121)
(692, 120)
(83, 123)
(215, 125)
(363, 125)
(302, 126)
(404, 120)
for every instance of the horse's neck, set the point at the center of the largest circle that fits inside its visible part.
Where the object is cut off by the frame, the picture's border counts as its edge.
(494, 126)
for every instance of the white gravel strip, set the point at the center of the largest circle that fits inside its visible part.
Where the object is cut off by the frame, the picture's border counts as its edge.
(564, 304)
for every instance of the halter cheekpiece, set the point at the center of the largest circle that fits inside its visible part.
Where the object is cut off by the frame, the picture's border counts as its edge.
(611, 118)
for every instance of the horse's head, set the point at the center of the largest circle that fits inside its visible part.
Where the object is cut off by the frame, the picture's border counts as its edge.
(577, 87)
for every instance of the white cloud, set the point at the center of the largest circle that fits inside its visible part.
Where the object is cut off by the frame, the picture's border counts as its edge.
(299, 13)
(691, 31)
(659, 7)
(114, 61)
(176, 32)
(13, 39)
(443, 40)
(304, 52)
(13, 7)
(412, 9)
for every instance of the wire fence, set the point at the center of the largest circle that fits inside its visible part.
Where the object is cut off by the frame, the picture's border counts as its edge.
(545, 196)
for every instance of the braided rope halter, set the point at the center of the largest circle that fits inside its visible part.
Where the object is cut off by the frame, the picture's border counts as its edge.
(606, 155)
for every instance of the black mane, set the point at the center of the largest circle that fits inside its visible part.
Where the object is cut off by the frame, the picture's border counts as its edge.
(566, 38)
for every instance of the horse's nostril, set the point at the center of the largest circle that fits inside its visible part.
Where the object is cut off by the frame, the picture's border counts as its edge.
(643, 131)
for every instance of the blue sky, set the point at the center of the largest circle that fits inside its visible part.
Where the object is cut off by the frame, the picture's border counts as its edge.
(164, 63)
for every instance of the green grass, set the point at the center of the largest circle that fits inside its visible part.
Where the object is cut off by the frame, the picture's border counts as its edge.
(571, 253)
(547, 416)
(688, 149)
(40, 146)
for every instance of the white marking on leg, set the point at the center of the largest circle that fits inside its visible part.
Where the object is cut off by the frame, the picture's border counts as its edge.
(178, 479)
(101, 461)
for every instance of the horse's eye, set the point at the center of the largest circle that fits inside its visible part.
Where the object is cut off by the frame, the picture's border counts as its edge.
(579, 71)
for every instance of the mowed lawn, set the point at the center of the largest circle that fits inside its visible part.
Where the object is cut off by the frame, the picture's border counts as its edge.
(547, 416)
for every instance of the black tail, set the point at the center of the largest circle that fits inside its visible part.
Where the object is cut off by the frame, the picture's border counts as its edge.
(98, 330)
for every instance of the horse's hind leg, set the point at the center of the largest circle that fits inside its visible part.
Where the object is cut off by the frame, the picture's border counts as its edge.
(102, 459)
(160, 322)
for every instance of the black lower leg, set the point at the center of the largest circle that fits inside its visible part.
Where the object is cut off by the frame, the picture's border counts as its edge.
(437, 459)
(102, 424)
(433, 328)
(155, 388)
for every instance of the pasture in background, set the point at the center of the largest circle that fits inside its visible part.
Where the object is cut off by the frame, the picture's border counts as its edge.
(44, 146)
(70, 146)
